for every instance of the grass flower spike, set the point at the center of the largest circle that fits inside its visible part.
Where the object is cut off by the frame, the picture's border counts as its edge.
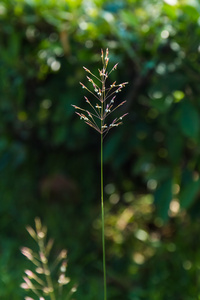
(105, 99)
(104, 103)
(39, 281)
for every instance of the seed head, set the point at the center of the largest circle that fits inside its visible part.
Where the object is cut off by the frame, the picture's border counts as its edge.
(105, 95)
(24, 286)
(86, 70)
(40, 281)
(32, 232)
(62, 280)
(27, 252)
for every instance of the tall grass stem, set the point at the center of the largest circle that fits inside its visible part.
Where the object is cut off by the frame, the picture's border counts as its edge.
(97, 120)
(103, 223)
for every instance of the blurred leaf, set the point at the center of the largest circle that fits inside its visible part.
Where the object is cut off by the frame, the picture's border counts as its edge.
(191, 11)
(163, 197)
(175, 145)
(171, 11)
(189, 120)
(159, 173)
(189, 191)
(129, 18)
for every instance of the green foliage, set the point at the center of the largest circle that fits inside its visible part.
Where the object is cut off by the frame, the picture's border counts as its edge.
(48, 160)
(163, 197)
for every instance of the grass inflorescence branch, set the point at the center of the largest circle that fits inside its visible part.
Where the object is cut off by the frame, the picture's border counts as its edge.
(106, 99)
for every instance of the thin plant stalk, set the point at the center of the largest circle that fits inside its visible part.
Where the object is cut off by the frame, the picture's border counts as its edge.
(103, 223)
(97, 120)
(44, 260)
(47, 272)
(102, 199)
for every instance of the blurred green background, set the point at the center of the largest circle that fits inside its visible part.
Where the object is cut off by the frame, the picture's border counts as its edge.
(49, 159)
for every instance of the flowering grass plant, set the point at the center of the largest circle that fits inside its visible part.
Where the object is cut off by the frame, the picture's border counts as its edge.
(40, 281)
(105, 103)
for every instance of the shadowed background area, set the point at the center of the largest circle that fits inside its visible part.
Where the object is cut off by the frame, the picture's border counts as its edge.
(50, 160)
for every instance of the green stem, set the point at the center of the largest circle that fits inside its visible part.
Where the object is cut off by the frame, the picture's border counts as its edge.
(103, 223)
(46, 270)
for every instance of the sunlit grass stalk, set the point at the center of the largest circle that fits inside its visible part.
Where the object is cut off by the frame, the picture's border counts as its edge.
(47, 272)
(103, 223)
(41, 233)
(96, 118)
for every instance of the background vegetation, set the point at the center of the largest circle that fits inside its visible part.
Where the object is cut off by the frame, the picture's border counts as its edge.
(49, 160)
